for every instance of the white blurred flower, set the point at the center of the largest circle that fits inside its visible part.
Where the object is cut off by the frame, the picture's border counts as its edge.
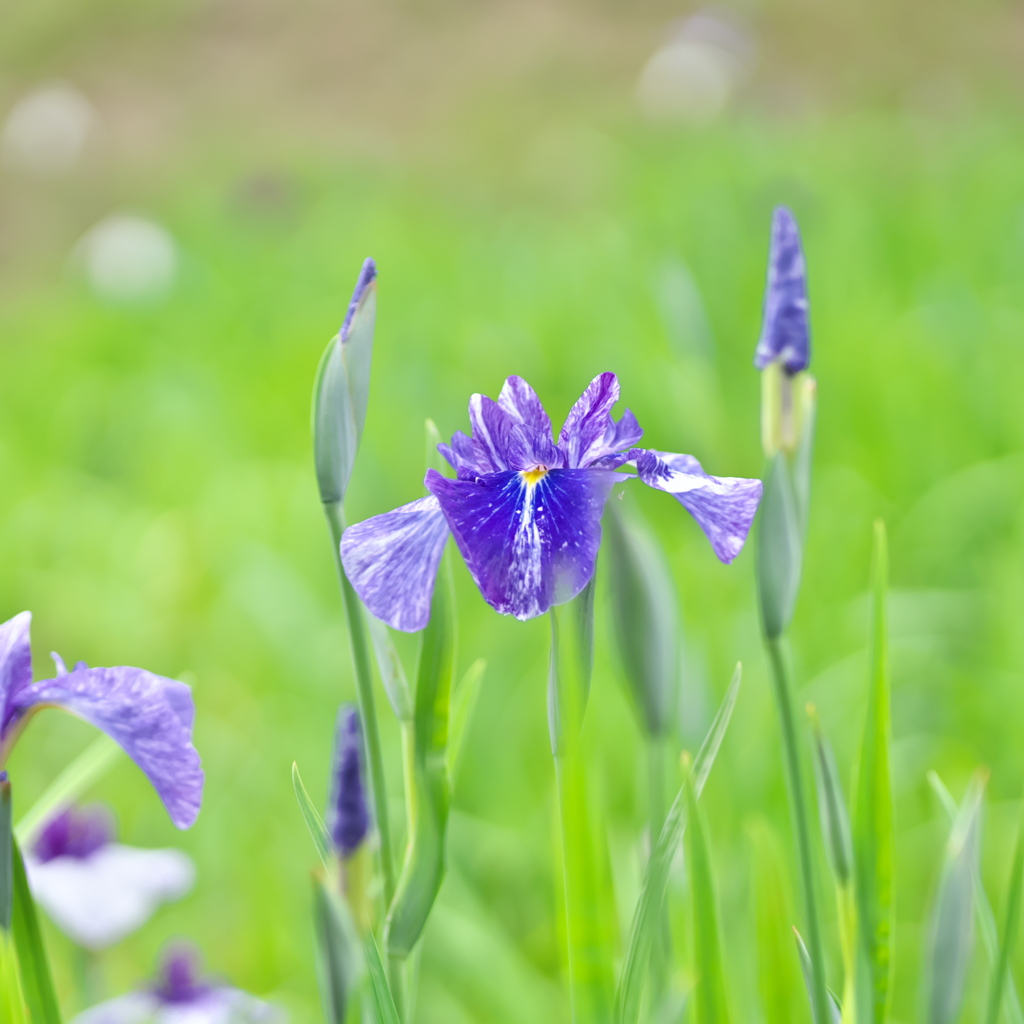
(129, 258)
(46, 130)
(183, 996)
(100, 899)
(692, 77)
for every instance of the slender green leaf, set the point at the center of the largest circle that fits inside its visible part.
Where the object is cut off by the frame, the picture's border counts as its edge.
(652, 893)
(645, 615)
(392, 674)
(873, 816)
(6, 855)
(36, 978)
(778, 980)
(382, 1005)
(87, 769)
(317, 829)
(428, 796)
(983, 911)
(340, 958)
(12, 1000)
(1010, 929)
(835, 820)
(463, 702)
(951, 938)
(711, 1004)
(835, 1010)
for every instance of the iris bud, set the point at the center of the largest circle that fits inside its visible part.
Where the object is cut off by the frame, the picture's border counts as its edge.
(349, 815)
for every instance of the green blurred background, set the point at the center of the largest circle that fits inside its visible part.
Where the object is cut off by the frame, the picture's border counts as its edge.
(533, 210)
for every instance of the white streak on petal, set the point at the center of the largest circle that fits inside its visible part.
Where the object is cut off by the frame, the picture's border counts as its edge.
(99, 900)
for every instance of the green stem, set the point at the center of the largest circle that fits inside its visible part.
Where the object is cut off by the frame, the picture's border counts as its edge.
(798, 805)
(661, 952)
(367, 704)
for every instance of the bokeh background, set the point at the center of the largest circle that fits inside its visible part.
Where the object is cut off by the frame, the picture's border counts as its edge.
(552, 188)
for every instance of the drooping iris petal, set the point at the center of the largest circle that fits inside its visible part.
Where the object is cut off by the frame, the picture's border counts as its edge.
(392, 561)
(146, 714)
(100, 899)
(724, 507)
(15, 665)
(528, 545)
(348, 813)
(785, 332)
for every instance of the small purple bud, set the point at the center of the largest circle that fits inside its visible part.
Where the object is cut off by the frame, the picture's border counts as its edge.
(76, 832)
(348, 814)
(785, 332)
(366, 277)
(180, 978)
(3, 776)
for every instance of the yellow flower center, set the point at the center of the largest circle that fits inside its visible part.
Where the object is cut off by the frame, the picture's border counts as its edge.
(531, 476)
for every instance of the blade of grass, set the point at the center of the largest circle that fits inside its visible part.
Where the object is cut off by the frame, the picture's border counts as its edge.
(463, 702)
(983, 911)
(711, 1005)
(317, 829)
(340, 963)
(835, 1010)
(36, 978)
(1010, 929)
(382, 1004)
(12, 1001)
(873, 828)
(652, 893)
(88, 768)
(951, 935)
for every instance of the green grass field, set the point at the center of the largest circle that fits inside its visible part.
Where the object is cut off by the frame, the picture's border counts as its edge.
(159, 507)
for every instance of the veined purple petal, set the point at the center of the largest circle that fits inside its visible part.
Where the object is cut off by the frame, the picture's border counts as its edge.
(15, 665)
(785, 332)
(528, 545)
(465, 456)
(392, 561)
(366, 277)
(724, 507)
(146, 715)
(348, 813)
(582, 436)
(77, 832)
(520, 401)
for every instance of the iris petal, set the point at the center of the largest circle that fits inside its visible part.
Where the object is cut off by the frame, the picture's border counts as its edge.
(587, 424)
(392, 561)
(785, 334)
(15, 665)
(146, 714)
(724, 507)
(527, 545)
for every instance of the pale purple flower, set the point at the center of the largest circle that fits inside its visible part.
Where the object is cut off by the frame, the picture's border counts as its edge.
(149, 716)
(98, 891)
(525, 509)
(183, 996)
(785, 331)
(348, 815)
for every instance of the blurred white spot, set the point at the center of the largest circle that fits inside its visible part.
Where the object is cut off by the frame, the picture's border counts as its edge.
(47, 130)
(129, 258)
(692, 77)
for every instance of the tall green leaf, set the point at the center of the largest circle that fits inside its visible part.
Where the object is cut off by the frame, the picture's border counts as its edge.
(652, 893)
(12, 1001)
(951, 936)
(339, 954)
(835, 1012)
(711, 1004)
(429, 791)
(382, 1004)
(873, 825)
(317, 829)
(1010, 929)
(463, 702)
(36, 978)
(6, 854)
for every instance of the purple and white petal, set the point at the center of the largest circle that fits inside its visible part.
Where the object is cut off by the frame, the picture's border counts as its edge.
(217, 1005)
(724, 507)
(785, 332)
(392, 561)
(493, 431)
(367, 275)
(134, 1008)
(148, 715)
(465, 456)
(582, 437)
(520, 401)
(15, 665)
(101, 899)
(528, 545)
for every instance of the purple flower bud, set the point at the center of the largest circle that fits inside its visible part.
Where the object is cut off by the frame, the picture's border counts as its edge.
(76, 832)
(366, 277)
(785, 332)
(348, 814)
(180, 978)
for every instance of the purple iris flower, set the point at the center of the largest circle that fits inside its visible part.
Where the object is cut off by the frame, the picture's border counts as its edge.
(182, 995)
(525, 509)
(349, 815)
(149, 716)
(785, 331)
(95, 889)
